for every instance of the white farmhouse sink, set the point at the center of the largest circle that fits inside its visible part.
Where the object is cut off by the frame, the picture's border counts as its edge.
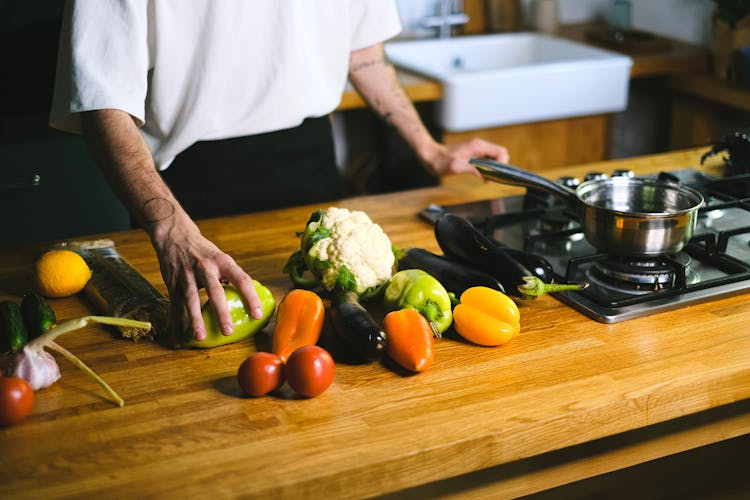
(503, 79)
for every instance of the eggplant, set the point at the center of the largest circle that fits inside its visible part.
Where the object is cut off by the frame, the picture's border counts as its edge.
(455, 276)
(354, 325)
(461, 241)
(537, 265)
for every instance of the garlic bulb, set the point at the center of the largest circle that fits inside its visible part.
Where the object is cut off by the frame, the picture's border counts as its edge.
(37, 367)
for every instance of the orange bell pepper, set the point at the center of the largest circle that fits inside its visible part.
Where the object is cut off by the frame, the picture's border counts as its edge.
(486, 317)
(409, 339)
(299, 321)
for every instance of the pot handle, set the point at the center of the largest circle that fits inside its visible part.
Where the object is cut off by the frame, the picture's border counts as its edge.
(508, 174)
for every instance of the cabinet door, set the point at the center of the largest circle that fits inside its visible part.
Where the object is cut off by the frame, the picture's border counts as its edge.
(51, 189)
(548, 144)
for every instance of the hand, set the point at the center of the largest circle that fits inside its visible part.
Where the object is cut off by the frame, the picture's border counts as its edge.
(376, 80)
(446, 160)
(189, 262)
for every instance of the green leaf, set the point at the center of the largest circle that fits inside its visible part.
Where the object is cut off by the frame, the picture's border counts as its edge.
(311, 236)
(345, 280)
(317, 266)
(319, 234)
(373, 291)
(295, 267)
(316, 216)
(398, 253)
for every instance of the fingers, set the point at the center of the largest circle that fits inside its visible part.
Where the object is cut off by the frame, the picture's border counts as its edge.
(244, 284)
(193, 305)
(494, 151)
(223, 267)
(194, 263)
(476, 148)
(218, 300)
(184, 297)
(484, 149)
(177, 322)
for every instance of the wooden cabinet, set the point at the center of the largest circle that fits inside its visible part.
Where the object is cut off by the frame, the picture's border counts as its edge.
(704, 108)
(548, 144)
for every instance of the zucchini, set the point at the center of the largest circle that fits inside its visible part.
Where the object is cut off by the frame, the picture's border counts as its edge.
(455, 276)
(355, 327)
(38, 315)
(13, 335)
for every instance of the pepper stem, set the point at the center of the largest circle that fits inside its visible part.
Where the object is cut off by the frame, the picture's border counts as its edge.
(435, 332)
(533, 287)
(432, 313)
(88, 371)
(430, 310)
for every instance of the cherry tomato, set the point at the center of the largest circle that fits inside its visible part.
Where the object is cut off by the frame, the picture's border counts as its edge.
(309, 370)
(16, 400)
(260, 374)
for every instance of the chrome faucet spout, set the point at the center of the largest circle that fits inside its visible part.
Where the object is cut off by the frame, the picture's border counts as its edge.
(449, 13)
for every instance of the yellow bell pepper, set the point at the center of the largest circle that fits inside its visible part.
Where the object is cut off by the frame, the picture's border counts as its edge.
(486, 317)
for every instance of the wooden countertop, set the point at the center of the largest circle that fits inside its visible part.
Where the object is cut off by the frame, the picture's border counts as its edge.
(712, 89)
(567, 399)
(417, 88)
(665, 56)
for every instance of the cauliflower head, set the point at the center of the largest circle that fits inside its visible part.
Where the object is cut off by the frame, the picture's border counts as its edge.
(347, 251)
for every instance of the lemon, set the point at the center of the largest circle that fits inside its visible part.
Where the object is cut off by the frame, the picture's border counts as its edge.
(60, 273)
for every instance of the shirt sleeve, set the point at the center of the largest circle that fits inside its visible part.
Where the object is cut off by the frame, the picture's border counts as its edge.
(373, 21)
(103, 61)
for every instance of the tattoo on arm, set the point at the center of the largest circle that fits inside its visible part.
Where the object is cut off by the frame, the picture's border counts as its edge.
(367, 64)
(157, 209)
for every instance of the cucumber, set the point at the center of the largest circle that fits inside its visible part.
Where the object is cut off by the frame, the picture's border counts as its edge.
(13, 334)
(38, 315)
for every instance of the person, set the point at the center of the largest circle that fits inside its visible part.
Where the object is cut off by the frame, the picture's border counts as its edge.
(201, 108)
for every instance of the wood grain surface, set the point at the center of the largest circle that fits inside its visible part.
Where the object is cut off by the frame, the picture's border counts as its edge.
(631, 391)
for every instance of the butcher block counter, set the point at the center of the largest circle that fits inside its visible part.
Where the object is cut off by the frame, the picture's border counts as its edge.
(568, 399)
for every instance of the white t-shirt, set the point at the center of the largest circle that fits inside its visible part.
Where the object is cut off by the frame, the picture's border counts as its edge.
(191, 70)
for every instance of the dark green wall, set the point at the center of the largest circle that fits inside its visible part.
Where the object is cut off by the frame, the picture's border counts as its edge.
(71, 198)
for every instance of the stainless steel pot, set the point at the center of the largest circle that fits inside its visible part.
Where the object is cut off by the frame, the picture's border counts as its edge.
(619, 215)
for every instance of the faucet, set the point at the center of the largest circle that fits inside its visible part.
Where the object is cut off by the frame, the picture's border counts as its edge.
(449, 13)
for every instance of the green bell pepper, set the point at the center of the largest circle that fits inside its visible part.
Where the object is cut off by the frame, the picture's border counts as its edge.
(244, 324)
(416, 289)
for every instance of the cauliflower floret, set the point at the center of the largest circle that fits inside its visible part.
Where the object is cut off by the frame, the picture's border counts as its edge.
(354, 241)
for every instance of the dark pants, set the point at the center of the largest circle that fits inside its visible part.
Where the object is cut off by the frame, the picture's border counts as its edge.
(260, 172)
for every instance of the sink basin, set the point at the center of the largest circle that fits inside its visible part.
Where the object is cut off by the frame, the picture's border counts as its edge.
(509, 78)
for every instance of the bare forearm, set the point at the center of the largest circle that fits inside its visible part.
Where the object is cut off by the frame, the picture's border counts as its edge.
(188, 260)
(376, 81)
(123, 156)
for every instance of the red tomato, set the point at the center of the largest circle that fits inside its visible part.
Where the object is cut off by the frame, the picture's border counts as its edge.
(309, 370)
(260, 374)
(16, 400)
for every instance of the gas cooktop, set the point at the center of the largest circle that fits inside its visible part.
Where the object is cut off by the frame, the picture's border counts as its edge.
(715, 263)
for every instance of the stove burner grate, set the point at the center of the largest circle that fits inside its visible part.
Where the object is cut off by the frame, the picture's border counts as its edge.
(634, 275)
(715, 263)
